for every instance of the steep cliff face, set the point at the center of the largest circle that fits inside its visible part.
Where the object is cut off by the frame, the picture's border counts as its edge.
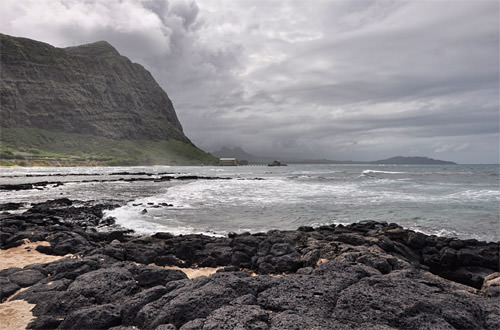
(89, 89)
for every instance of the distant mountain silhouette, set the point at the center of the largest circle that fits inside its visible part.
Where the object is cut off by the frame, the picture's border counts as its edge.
(240, 154)
(398, 160)
(413, 160)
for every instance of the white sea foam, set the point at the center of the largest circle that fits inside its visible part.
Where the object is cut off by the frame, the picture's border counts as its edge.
(482, 194)
(381, 172)
(144, 224)
(251, 195)
(437, 232)
(214, 193)
(458, 200)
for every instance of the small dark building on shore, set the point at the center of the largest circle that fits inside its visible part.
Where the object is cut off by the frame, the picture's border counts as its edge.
(228, 162)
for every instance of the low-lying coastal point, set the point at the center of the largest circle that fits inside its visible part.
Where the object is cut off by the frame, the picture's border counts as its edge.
(64, 265)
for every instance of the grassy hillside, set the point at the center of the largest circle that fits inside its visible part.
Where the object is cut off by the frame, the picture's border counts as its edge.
(38, 147)
(85, 105)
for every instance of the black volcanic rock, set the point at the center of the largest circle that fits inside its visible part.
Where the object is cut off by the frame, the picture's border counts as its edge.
(367, 275)
(10, 206)
(98, 317)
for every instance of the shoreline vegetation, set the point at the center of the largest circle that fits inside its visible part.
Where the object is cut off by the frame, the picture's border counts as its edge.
(30, 147)
(365, 275)
(27, 160)
(87, 105)
(41, 148)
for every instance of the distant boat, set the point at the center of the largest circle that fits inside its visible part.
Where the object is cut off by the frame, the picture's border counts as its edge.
(276, 163)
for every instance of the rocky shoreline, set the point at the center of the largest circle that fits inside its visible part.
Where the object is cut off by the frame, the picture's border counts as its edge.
(367, 275)
(137, 177)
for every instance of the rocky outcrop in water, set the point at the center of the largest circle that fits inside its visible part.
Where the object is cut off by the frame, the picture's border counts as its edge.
(367, 275)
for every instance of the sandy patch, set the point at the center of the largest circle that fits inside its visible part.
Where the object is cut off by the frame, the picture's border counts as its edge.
(195, 272)
(447, 283)
(321, 261)
(15, 314)
(270, 275)
(208, 271)
(490, 281)
(253, 274)
(25, 255)
(15, 293)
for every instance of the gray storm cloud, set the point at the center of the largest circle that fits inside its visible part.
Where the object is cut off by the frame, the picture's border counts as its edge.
(340, 80)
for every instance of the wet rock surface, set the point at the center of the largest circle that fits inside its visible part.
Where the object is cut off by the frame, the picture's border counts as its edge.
(26, 186)
(10, 206)
(148, 177)
(367, 275)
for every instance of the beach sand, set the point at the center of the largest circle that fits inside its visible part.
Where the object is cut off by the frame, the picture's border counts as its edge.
(17, 314)
(195, 272)
(25, 255)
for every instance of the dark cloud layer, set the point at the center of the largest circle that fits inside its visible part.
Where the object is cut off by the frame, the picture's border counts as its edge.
(304, 79)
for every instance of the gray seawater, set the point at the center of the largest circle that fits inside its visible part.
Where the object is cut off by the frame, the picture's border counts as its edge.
(458, 200)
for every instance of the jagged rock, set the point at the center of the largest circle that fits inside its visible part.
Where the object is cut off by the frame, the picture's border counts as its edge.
(105, 285)
(26, 277)
(139, 300)
(98, 317)
(10, 206)
(237, 317)
(45, 322)
(113, 250)
(491, 286)
(399, 300)
(70, 268)
(166, 327)
(56, 304)
(195, 324)
(47, 285)
(7, 288)
(50, 204)
(376, 276)
(63, 243)
(169, 259)
(196, 299)
(141, 254)
(26, 186)
(148, 276)
(162, 235)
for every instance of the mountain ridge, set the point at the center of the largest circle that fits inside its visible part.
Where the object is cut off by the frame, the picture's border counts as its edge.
(86, 90)
(408, 160)
(240, 154)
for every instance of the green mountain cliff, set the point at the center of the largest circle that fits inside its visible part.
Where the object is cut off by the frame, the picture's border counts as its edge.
(85, 104)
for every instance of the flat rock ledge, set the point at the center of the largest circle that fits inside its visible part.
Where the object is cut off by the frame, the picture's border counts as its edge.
(367, 275)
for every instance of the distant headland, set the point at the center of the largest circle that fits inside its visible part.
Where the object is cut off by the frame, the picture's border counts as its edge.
(242, 155)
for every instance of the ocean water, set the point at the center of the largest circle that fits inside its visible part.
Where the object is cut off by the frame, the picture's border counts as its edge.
(453, 200)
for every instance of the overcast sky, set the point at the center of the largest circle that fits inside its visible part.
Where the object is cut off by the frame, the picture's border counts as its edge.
(342, 80)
